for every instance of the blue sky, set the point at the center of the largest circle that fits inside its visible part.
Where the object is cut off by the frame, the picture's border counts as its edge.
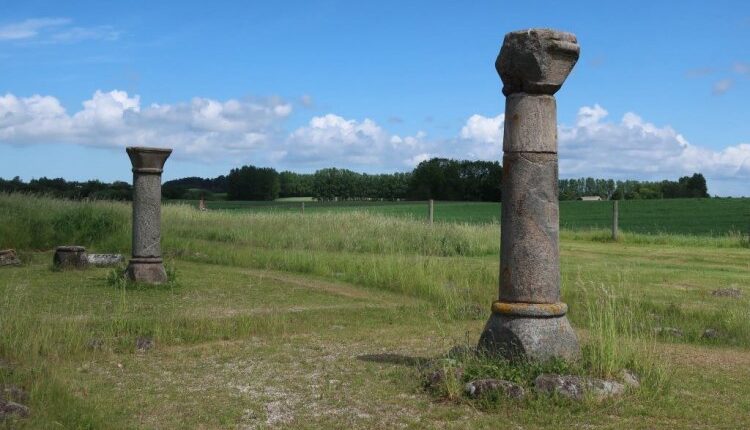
(659, 91)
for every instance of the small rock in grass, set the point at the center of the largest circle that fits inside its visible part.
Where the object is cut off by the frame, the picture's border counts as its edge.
(8, 257)
(602, 388)
(483, 386)
(575, 387)
(438, 377)
(630, 378)
(710, 333)
(15, 394)
(144, 343)
(731, 292)
(103, 260)
(95, 343)
(669, 331)
(8, 408)
(569, 386)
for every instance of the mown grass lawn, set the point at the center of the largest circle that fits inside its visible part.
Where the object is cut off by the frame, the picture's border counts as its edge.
(323, 321)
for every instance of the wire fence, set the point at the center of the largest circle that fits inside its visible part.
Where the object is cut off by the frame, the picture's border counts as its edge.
(680, 216)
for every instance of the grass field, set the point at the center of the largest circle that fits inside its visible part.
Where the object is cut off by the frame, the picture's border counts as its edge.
(680, 216)
(324, 321)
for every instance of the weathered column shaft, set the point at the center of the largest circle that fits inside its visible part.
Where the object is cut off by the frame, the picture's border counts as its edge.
(146, 214)
(530, 264)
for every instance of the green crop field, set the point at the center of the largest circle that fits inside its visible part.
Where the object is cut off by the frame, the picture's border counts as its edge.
(677, 216)
(332, 320)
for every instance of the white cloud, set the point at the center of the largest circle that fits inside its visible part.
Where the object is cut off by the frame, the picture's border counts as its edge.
(634, 148)
(307, 100)
(55, 30)
(741, 68)
(700, 72)
(333, 140)
(202, 128)
(483, 129)
(484, 137)
(77, 34)
(722, 86)
(29, 28)
(244, 131)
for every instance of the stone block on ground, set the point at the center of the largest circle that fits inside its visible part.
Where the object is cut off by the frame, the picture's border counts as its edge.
(70, 257)
(144, 343)
(519, 338)
(710, 333)
(576, 387)
(8, 257)
(103, 260)
(481, 387)
(12, 408)
(731, 292)
(630, 378)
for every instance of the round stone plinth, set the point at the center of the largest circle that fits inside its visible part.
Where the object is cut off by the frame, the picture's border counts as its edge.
(70, 257)
(146, 270)
(530, 309)
(529, 338)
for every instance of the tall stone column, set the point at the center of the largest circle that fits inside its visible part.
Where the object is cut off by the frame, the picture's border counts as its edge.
(528, 321)
(147, 265)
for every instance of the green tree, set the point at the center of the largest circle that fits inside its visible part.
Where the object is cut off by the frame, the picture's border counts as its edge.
(253, 183)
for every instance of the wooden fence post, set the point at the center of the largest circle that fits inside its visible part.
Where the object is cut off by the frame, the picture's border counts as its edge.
(615, 219)
(431, 210)
(303, 207)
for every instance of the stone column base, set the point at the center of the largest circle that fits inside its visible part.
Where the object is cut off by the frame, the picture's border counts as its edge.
(146, 270)
(70, 257)
(538, 332)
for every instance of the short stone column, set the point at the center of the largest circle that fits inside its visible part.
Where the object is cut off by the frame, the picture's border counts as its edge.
(528, 321)
(147, 265)
(70, 257)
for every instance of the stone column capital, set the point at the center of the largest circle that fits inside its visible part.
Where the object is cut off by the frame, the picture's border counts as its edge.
(536, 61)
(148, 160)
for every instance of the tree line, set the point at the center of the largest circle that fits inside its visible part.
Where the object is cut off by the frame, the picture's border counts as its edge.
(437, 178)
(684, 187)
(59, 187)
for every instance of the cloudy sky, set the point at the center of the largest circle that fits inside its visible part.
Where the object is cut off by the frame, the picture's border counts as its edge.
(378, 86)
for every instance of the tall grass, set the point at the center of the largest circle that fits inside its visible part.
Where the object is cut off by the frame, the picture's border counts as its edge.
(37, 223)
(395, 254)
(612, 329)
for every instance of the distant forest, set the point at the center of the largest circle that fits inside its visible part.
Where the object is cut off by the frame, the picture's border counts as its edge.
(438, 178)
